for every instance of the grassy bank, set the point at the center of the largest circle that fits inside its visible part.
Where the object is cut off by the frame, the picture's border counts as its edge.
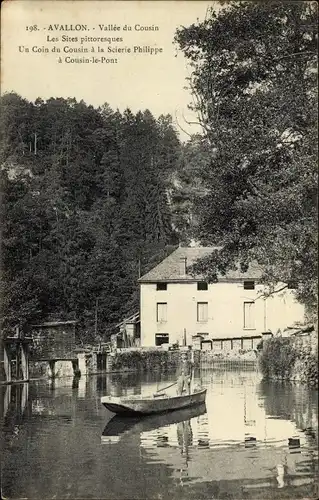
(289, 359)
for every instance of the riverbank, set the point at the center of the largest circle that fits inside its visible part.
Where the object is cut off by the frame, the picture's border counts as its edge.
(141, 360)
(286, 358)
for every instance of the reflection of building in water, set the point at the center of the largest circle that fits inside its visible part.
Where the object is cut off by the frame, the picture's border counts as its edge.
(231, 417)
(14, 399)
(235, 439)
(213, 446)
(193, 432)
(236, 416)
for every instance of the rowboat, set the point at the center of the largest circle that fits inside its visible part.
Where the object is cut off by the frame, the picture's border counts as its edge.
(119, 427)
(136, 405)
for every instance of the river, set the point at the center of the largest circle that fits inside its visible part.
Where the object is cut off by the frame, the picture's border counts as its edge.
(253, 440)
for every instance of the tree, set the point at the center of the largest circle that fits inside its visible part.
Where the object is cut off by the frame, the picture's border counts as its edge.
(84, 209)
(187, 185)
(254, 83)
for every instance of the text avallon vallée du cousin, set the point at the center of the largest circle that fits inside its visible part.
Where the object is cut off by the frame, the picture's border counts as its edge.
(102, 27)
(82, 39)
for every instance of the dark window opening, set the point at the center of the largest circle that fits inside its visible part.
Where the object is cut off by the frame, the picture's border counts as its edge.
(161, 338)
(202, 285)
(249, 285)
(206, 345)
(292, 285)
(161, 286)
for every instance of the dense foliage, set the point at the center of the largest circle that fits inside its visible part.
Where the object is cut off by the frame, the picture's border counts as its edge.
(93, 198)
(84, 209)
(285, 359)
(254, 83)
(145, 360)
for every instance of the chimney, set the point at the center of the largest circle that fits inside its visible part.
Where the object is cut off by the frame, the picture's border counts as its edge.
(182, 266)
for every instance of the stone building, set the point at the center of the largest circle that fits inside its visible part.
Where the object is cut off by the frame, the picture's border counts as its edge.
(232, 313)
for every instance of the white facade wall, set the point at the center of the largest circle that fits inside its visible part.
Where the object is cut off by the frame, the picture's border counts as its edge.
(225, 311)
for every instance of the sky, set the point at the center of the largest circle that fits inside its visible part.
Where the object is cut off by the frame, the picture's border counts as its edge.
(138, 80)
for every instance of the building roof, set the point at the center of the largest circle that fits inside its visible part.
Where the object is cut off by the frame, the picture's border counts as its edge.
(169, 270)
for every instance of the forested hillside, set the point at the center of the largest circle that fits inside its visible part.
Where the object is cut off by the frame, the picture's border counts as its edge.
(92, 198)
(84, 209)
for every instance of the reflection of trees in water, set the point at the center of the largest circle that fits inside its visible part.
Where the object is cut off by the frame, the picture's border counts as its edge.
(298, 404)
(231, 378)
(16, 407)
(122, 384)
(292, 402)
(15, 401)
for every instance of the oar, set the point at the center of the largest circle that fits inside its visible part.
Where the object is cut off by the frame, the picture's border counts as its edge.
(164, 388)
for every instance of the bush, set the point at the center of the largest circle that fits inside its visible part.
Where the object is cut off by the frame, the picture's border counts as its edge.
(145, 360)
(284, 358)
(278, 357)
(311, 370)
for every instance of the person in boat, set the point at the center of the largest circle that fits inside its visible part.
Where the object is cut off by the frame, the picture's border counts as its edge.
(184, 374)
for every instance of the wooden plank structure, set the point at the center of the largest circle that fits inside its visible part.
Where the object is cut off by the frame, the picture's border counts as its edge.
(55, 340)
(16, 349)
(127, 332)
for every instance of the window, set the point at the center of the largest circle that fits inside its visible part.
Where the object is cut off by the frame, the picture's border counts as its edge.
(161, 338)
(249, 285)
(292, 285)
(249, 315)
(161, 286)
(183, 266)
(206, 345)
(217, 344)
(202, 285)
(202, 311)
(161, 312)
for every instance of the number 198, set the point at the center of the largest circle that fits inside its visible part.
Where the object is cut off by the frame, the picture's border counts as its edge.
(34, 27)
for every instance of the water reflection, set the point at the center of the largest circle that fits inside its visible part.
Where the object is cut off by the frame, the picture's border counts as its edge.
(14, 398)
(251, 440)
(120, 427)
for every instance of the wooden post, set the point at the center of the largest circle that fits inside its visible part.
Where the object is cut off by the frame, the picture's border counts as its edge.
(52, 369)
(109, 362)
(265, 314)
(96, 315)
(24, 361)
(24, 397)
(18, 362)
(7, 400)
(94, 362)
(76, 369)
(7, 363)
(82, 363)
